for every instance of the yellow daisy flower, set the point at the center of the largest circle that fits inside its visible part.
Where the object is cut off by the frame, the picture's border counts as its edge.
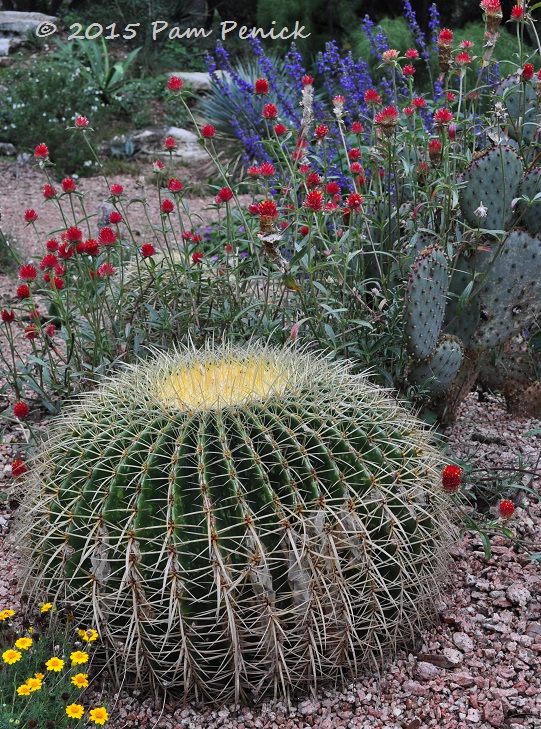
(23, 690)
(99, 715)
(11, 656)
(75, 711)
(80, 680)
(39, 676)
(88, 635)
(78, 657)
(46, 607)
(23, 643)
(34, 684)
(5, 614)
(54, 664)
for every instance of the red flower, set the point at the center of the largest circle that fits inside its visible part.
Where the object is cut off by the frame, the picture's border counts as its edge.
(354, 154)
(225, 194)
(81, 122)
(228, 248)
(304, 230)
(313, 179)
(333, 188)
(20, 410)
(80, 247)
(18, 468)
(451, 132)
(527, 73)
(356, 168)
(59, 269)
(466, 44)
(30, 215)
(450, 478)
(91, 247)
(314, 200)
(354, 201)
(307, 80)
(41, 151)
(321, 131)
(443, 116)
(51, 245)
(115, 218)
(434, 145)
(418, 102)
(175, 185)
(48, 191)
(208, 131)
(462, 59)
(116, 190)
(517, 13)
(254, 171)
(338, 100)
(408, 70)
(28, 272)
(506, 509)
(58, 283)
(372, 97)
(412, 54)
(147, 249)
(7, 316)
(157, 166)
(74, 234)
(48, 261)
(106, 269)
(23, 292)
(267, 209)
(169, 143)
(357, 127)
(261, 86)
(175, 83)
(491, 6)
(31, 331)
(107, 237)
(167, 206)
(445, 37)
(197, 238)
(387, 119)
(270, 111)
(50, 330)
(267, 169)
(68, 184)
(65, 251)
(409, 110)
(197, 257)
(280, 129)
(253, 209)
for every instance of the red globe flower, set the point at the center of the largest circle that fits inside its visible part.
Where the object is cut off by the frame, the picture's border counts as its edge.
(175, 83)
(517, 13)
(527, 72)
(48, 261)
(116, 190)
(412, 54)
(387, 119)
(74, 234)
(254, 171)
(41, 151)
(443, 116)
(314, 200)
(68, 184)
(372, 97)
(225, 194)
(115, 218)
(30, 215)
(58, 283)
(354, 201)
(506, 509)
(332, 188)
(81, 122)
(304, 230)
(267, 209)
(280, 129)
(354, 154)
(261, 86)
(357, 127)
(31, 331)
(28, 272)
(65, 251)
(106, 269)
(90, 247)
(167, 206)
(208, 131)
(51, 245)
(307, 80)
(7, 316)
(462, 59)
(408, 70)
(175, 185)
(418, 102)
(50, 330)
(59, 269)
(169, 143)
(450, 478)
(107, 237)
(197, 257)
(147, 250)
(253, 208)
(48, 191)
(270, 111)
(313, 180)
(18, 468)
(267, 169)
(20, 410)
(445, 37)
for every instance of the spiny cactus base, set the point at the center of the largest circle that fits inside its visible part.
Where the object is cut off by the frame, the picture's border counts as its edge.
(239, 522)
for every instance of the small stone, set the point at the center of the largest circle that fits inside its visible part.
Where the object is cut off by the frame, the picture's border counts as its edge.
(473, 716)
(533, 630)
(518, 595)
(493, 713)
(455, 657)
(415, 688)
(463, 642)
(463, 679)
(426, 671)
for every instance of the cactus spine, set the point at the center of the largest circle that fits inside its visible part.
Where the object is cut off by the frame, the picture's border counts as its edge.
(239, 521)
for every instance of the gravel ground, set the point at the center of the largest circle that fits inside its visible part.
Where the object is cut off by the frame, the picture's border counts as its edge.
(478, 666)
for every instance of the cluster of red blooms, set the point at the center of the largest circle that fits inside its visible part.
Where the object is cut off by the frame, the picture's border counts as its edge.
(193, 237)
(224, 195)
(451, 479)
(264, 170)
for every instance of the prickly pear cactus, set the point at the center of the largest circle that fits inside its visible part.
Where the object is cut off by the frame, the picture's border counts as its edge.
(493, 178)
(510, 299)
(438, 373)
(424, 303)
(519, 98)
(530, 213)
(462, 321)
(239, 520)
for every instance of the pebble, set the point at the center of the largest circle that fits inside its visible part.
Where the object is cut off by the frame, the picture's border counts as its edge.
(518, 594)
(463, 642)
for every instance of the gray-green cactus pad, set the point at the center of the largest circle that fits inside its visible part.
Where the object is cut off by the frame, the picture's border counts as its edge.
(424, 303)
(530, 215)
(439, 372)
(461, 323)
(493, 179)
(520, 100)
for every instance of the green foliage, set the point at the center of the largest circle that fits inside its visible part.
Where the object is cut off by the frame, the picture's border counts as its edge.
(246, 520)
(9, 257)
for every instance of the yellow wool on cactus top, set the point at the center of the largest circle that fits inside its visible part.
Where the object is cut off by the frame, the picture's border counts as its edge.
(223, 383)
